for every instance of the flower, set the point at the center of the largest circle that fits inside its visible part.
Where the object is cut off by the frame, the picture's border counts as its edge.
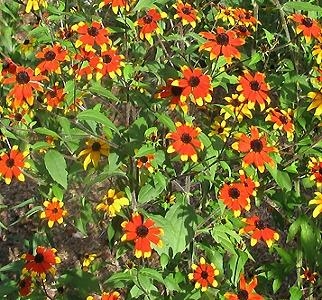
(316, 102)
(245, 17)
(116, 4)
(256, 148)
(90, 35)
(88, 62)
(318, 201)
(315, 166)
(113, 202)
(235, 197)
(308, 275)
(52, 57)
(237, 107)
(145, 162)
(34, 4)
(27, 46)
(53, 212)
(8, 67)
(54, 97)
(254, 89)
(88, 259)
(25, 82)
(106, 296)
(185, 141)
(195, 84)
(11, 164)
(42, 263)
(186, 13)
(246, 290)
(203, 275)
(19, 116)
(258, 230)
(25, 286)
(224, 42)
(226, 14)
(248, 183)
(143, 233)
(219, 127)
(306, 26)
(317, 51)
(95, 148)
(282, 120)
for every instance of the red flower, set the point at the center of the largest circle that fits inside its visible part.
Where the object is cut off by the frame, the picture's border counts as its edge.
(186, 13)
(54, 97)
(308, 275)
(25, 286)
(88, 61)
(258, 230)
(256, 148)
(194, 84)
(8, 67)
(307, 26)
(143, 233)
(235, 197)
(224, 42)
(145, 162)
(249, 184)
(116, 4)
(315, 166)
(25, 83)
(254, 89)
(110, 65)
(245, 17)
(246, 290)
(185, 141)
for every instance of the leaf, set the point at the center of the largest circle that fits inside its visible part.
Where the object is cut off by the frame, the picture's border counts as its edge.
(146, 4)
(166, 121)
(98, 89)
(302, 6)
(153, 274)
(56, 166)
(296, 293)
(46, 131)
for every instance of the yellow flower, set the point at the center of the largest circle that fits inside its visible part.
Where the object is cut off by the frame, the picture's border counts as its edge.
(219, 127)
(318, 201)
(95, 148)
(34, 4)
(236, 107)
(317, 51)
(113, 202)
(316, 102)
(88, 258)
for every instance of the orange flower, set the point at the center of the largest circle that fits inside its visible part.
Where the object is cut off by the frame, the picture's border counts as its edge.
(53, 212)
(235, 197)
(88, 62)
(256, 148)
(42, 263)
(258, 230)
(242, 31)
(25, 286)
(307, 26)
(315, 166)
(19, 116)
(249, 183)
(143, 233)
(245, 17)
(11, 164)
(246, 290)
(52, 58)
(195, 84)
(25, 82)
(116, 4)
(8, 67)
(145, 162)
(224, 42)
(204, 275)
(107, 296)
(54, 97)
(254, 89)
(186, 13)
(90, 35)
(185, 141)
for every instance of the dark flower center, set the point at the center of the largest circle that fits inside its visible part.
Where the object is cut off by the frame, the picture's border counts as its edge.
(220, 130)
(320, 170)
(10, 162)
(283, 119)
(234, 193)
(96, 146)
(22, 77)
(222, 39)
(308, 22)
(109, 200)
(242, 295)
(260, 224)
(194, 81)
(247, 15)
(256, 145)
(50, 55)
(147, 19)
(23, 283)
(107, 59)
(142, 231)
(204, 274)
(18, 117)
(55, 210)
(5, 65)
(176, 90)
(242, 28)
(186, 10)
(255, 85)
(144, 159)
(93, 31)
(52, 94)
(235, 102)
(39, 258)
(186, 138)
(26, 42)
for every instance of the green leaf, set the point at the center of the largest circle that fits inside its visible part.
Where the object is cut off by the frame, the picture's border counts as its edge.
(143, 4)
(297, 5)
(56, 166)
(98, 89)
(46, 131)
(166, 121)
(296, 293)
(151, 273)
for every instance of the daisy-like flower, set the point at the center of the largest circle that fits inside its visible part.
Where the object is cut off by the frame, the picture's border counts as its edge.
(307, 27)
(94, 149)
(317, 52)
(315, 166)
(185, 141)
(111, 64)
(19, 116)
(203, 275)
(42, 263)
(106, 296)
(116, 5)
(318, 202)
(52, 57)
(12, 163)
(27, 45)
(226, 14)
(25, 285)
(54, 97)
(223, 42)
(143, 233)
(113, 202)
(256, 148)
(54, 211)
(219, 127)
(242, 31)
(308, 275)
(88, 61)
(254, 89)
(8, 67)
(25, 82)
(35, 4)
(235, 197)
(148, 24)
(195, 84)
(186, 13)
(249, 183)
(246, 290)
(88, 259)
(145, 162)
(282, 120)
(90, 35)
(237, 107)
(245, 17)
(258, 230)
(316, 102)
